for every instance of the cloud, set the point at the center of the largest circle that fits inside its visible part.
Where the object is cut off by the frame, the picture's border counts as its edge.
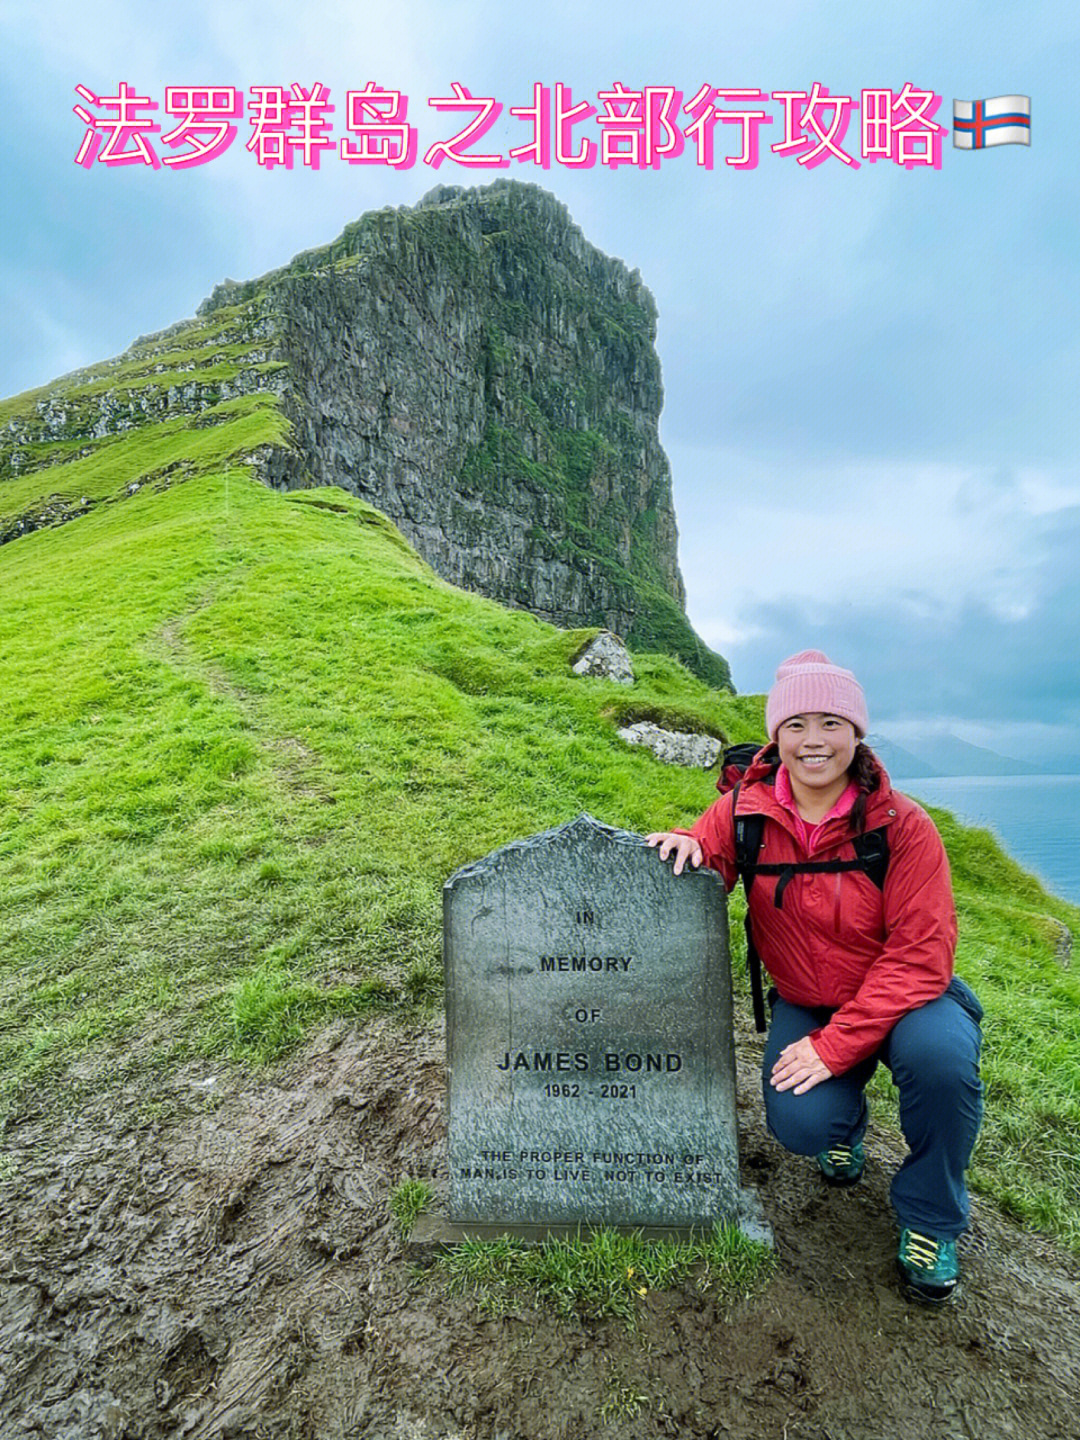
(931, 538)
(953, 592)
(967, 667)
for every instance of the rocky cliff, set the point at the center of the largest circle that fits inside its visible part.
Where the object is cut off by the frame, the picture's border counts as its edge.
(474, 368)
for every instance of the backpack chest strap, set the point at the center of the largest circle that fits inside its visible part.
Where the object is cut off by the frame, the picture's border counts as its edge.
(871, 857)
(805, 867)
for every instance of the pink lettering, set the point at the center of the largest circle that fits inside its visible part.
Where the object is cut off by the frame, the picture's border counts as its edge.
(206, 112)
(567, 115)
(377, 118)
(916, 137)
(275, 119)
(488, 110)
(622, 126)
(125, 134)
(829, 128)
(663, 138)
(539, 112)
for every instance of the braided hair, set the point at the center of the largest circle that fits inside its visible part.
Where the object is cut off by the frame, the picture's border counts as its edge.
(866, 774)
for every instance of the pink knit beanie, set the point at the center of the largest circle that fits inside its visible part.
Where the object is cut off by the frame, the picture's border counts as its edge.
(807, 683)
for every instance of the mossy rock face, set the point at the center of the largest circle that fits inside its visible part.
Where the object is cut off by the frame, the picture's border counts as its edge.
(472, 367)
(486, 377)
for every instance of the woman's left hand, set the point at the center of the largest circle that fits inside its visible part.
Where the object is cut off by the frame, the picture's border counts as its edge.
(799, 1067)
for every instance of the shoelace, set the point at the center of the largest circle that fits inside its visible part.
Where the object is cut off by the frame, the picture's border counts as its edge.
(921, 1251)
(840, 1156)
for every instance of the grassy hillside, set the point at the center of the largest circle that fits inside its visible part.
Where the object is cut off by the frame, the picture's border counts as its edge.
(246, 736)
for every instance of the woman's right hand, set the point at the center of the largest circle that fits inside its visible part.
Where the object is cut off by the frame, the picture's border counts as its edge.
(683, 847)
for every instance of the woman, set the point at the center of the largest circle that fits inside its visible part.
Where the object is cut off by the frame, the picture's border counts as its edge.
(863, 970)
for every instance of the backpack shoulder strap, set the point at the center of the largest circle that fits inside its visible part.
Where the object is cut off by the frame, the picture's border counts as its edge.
(748, 833)
(872, 848)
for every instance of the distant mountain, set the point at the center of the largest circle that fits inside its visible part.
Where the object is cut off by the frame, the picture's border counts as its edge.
(950, 755)
(944, 754)
(898, 761)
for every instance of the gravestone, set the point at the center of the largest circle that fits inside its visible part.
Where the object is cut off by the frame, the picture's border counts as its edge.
(592, 1071)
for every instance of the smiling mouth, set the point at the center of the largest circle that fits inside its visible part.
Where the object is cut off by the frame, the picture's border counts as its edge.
(814, 759)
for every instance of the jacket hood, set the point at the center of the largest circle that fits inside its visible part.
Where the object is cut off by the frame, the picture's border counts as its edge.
(764, 764)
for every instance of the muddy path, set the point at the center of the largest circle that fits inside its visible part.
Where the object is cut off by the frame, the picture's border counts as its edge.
(215, 1261)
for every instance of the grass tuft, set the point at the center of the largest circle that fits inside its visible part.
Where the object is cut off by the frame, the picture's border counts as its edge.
(408, 1201)
(604, 1273)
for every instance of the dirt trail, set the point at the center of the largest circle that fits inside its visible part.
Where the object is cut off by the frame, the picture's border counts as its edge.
(230, 1272)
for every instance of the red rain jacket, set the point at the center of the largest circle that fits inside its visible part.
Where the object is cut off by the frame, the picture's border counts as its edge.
(838, 941)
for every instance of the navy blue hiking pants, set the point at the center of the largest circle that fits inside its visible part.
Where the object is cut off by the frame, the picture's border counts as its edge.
(933, 1053)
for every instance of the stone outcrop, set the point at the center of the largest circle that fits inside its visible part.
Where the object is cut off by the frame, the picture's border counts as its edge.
(1064, 946)
(673, 747)
(488, 379)
(607, 658)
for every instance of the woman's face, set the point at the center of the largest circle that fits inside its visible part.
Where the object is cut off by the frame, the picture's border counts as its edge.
(817, 750)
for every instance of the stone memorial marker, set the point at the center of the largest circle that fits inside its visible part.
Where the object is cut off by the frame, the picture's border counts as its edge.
(592, 1070)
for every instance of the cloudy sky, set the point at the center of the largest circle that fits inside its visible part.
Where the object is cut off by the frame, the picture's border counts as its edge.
(870, 373)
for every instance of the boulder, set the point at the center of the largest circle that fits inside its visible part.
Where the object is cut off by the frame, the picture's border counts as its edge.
(674, 747)
(607, 657)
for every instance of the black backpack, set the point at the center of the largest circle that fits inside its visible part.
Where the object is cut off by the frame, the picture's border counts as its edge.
(871, 856)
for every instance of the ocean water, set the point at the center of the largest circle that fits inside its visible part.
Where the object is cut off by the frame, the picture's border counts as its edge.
(1036, 819)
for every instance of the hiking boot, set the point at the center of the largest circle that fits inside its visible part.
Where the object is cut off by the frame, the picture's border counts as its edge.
(929, 1270)
(842, 1164)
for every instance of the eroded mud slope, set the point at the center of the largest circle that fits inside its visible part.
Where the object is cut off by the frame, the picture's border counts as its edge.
(216, 1259)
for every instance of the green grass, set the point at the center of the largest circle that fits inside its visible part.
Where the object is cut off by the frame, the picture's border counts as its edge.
(624, 1399)
(1028, 1156)
(176, 447)
(198, 343)
(603, 1273)
(246, 736)
(408, 1200)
